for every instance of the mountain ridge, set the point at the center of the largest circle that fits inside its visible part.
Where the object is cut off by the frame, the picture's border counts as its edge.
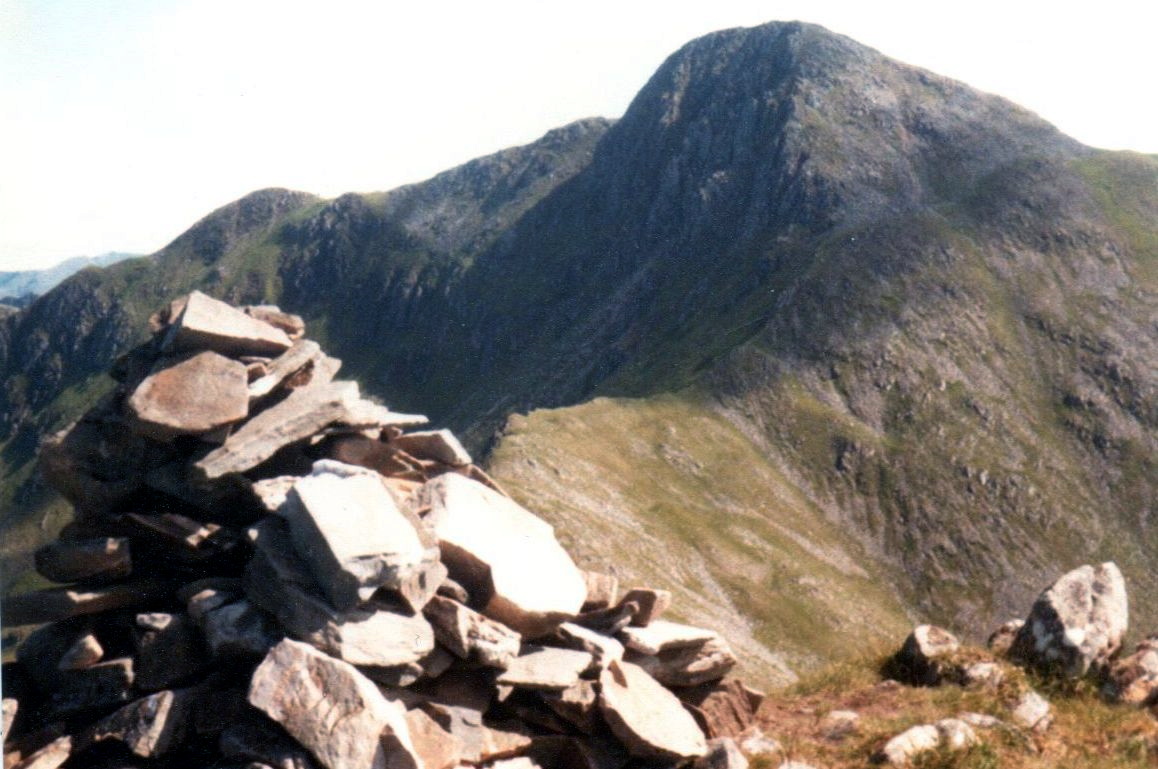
(928, 311)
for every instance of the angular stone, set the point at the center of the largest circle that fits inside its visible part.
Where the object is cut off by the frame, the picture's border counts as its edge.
(170, 651)
(1134, 679)
(177, 538)
(357, 727)
(193, 396)
(210, 599)
(353, 535)
(293, 325)
(51, 756)
(1033, 712)
(923, 659)
(545, 667)
(689, 665)
(651, 603)
(438, 445)
(1077, 623)
(149, 727)
(63, 602)
(39, 654)
(602, 590)
(608, 621)
(577, 704)
(304, 413)
(85, 652)
(101, 559)
(364, 414)
(662, 635)
(723, 753)
(239, 630)
(507, 558)
(470, 635)
(373, 454)
(278, 580)
(100, 686)
(722, 709)
(298, 363)
(646, 717)
(209, 324)
(264, 742)
(602, 648)
(438, 748)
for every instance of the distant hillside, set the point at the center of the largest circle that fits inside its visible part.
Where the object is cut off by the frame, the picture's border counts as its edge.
(890, 341)
(18, 289)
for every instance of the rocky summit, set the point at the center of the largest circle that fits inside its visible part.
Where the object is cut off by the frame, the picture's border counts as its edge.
(285, 577)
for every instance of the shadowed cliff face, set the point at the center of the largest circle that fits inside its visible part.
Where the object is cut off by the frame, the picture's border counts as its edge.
(929, 310)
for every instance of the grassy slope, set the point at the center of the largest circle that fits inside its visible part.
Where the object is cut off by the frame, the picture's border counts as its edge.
(665, 492)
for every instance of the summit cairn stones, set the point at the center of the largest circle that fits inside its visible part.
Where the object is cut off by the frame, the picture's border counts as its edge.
(647, 718)
(267, 569)
(210, 324)
(331, 709)
(197, 395)
(1077, 623)
(352, 533)
(505, 556)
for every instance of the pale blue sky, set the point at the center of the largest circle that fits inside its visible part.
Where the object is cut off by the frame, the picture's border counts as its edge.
(122, 122)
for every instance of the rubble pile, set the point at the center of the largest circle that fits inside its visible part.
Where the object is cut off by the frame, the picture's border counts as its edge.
(267, 569)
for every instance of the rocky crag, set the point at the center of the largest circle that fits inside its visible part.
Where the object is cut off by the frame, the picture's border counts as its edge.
(266, 569)
(919, 315)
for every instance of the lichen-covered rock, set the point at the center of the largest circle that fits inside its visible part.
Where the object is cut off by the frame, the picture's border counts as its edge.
(923, 659)
(1077, 623)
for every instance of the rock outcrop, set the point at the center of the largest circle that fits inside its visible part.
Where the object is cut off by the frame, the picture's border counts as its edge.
(277, 573)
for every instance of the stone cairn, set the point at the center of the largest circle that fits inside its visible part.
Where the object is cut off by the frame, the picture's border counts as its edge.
(266, 570)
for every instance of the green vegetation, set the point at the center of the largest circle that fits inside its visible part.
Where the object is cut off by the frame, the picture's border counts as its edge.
(666, 492)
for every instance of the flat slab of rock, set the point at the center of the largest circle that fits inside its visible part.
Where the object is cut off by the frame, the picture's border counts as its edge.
(353, 535)
(662, 635)
(647, 718)
(293, 325)
(546, 667)
(99, 558)
(470, 635)
(334, 711)
(210, 324)
(602, 648)
(51, 756)
(193, 396)
(651, 604)
(303, 414)
(688, 665)
(298, 365)
(438, 445)
(61, 603)
(1076, 624)
(504, 554)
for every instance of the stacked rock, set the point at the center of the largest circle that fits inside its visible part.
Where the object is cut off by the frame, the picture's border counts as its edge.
(268, 570)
